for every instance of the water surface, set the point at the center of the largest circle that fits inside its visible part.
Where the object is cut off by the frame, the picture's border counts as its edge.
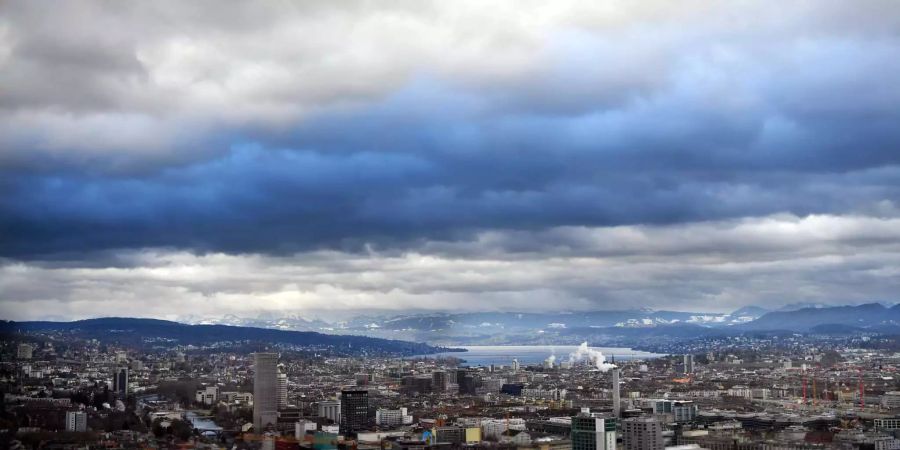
(485, 355)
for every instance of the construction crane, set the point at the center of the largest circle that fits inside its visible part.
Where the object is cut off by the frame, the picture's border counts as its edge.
(804, 389)
(862, 391)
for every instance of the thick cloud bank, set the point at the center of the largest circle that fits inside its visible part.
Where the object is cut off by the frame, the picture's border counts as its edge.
(421, 154)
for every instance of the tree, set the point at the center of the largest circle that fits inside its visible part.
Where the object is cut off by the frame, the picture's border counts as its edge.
(181, 429)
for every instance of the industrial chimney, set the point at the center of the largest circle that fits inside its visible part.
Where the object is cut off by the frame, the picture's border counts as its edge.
(617, 402)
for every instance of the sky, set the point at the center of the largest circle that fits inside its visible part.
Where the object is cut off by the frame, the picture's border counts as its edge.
(171, 159)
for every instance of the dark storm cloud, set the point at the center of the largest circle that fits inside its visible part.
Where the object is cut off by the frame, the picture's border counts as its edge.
(400, 171)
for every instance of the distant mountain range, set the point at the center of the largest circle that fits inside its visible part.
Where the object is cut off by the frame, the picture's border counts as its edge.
(398, 334)
(153, 332)
(625, 327)
(871, 316)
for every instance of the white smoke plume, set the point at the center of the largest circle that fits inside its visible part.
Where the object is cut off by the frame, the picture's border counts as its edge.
(583, 352)
(551, 359)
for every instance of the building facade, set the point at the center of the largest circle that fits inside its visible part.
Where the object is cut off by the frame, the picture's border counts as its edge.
(120, 382)
(330, 409)
(76, 421)
(24, 351)
(282, 390)
(593, 432)
(642, 433)
(354, 411)
(265, 396)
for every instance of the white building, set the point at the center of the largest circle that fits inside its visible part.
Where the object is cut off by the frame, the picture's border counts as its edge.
(76, 421)
(887, 424)
(282, 390)
(330, 409)
(495, 428)
(301, 427)
(208, 395)
(891, 399)
(237, 397)
(392, 417)
(740, 391)
(544, 394)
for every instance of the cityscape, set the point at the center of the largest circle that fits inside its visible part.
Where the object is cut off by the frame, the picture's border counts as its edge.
(760, 390)
(450, 225)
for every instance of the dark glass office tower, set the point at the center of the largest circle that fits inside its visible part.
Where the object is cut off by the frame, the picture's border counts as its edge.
(354, 411)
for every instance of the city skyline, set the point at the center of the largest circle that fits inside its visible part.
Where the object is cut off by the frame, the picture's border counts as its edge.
(173, 159)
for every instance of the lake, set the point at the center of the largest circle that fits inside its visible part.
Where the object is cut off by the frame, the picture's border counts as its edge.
(485, 355)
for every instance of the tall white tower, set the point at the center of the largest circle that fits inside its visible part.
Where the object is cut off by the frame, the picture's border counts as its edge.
(617, 402)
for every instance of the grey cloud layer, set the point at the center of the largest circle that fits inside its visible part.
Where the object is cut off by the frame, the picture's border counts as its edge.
(765, 262)
(561, 130)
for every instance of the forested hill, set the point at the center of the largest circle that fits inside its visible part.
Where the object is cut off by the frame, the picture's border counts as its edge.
(141, 332)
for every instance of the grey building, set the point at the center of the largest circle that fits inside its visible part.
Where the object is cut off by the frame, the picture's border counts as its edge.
(330, 409)
(642, 433)
(76, 421)
(265, 390)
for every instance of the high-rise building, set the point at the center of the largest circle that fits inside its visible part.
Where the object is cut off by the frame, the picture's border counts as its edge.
(76, 421)
(416, 384)
(468, 382)
(24, 351)
(265, 395)
(515, 365)
(330, 409)
(282, 390)
(354, 410)
(593, 432)
(642, 433)
(688, 363)
(439, 381)
(120, 382)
